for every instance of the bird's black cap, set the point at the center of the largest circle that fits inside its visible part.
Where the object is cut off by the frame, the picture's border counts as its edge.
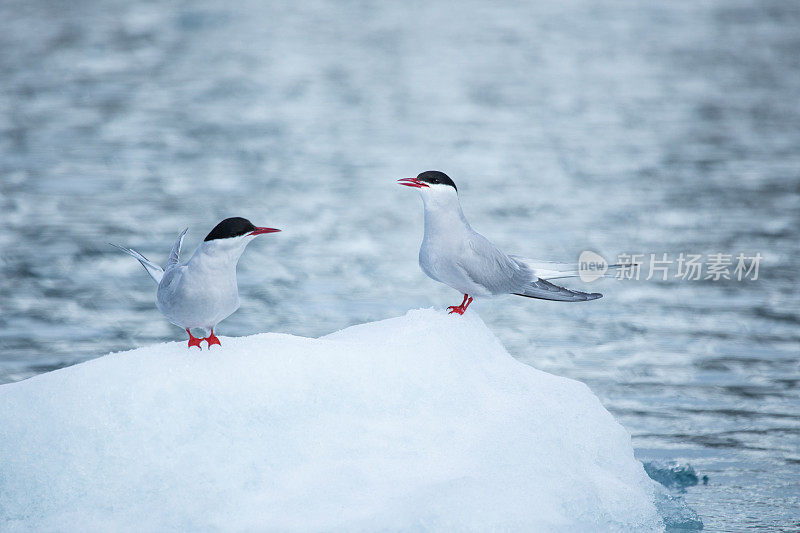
(231, 227)
(435, 177)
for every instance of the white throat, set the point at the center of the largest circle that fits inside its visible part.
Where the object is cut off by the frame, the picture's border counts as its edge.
(442, 210)
(220, 253)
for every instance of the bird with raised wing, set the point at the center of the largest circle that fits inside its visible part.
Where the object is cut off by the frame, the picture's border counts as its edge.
(203, 291)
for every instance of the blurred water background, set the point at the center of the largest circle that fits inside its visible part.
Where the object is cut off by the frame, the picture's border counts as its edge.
(613, 126)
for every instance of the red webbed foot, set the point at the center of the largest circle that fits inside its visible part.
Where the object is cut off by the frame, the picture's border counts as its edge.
(212, 339)
(459, 309)
(193, 341)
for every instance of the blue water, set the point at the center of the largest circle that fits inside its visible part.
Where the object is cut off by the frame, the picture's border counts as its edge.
(646, 127)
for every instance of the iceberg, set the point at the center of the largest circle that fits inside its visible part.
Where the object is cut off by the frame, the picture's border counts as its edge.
(420, 422)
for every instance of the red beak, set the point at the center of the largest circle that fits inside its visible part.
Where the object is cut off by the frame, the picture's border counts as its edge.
(259, 231)
(412, 182)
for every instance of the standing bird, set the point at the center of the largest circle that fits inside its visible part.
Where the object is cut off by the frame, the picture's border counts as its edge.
(202, 292)
(456, 255)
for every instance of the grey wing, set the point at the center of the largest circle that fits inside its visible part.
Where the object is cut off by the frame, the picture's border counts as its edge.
(170, 283)
(544, 290)
(169, 298)
(175, 254)
(501, 274)
(486, 265)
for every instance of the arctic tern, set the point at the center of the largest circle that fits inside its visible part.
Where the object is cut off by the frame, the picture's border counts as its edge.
(456, 255)
(202, 291)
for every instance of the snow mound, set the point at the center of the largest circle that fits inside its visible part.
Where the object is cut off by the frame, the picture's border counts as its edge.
(421, 422)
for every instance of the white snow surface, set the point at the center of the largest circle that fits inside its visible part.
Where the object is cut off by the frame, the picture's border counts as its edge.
(421, 422)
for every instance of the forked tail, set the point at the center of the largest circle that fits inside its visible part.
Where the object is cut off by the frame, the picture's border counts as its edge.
(553, 270)
(155, 271)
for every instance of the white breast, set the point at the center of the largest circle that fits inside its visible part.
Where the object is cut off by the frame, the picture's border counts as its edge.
(198, 296)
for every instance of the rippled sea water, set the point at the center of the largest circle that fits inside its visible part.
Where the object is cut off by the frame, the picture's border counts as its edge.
(613, 126)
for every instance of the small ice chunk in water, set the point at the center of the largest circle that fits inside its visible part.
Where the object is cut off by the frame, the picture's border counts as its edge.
(672, 474)
(675, 512)
(677, 515)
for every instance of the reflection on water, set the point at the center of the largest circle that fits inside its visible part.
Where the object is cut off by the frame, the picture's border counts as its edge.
(646, 127)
